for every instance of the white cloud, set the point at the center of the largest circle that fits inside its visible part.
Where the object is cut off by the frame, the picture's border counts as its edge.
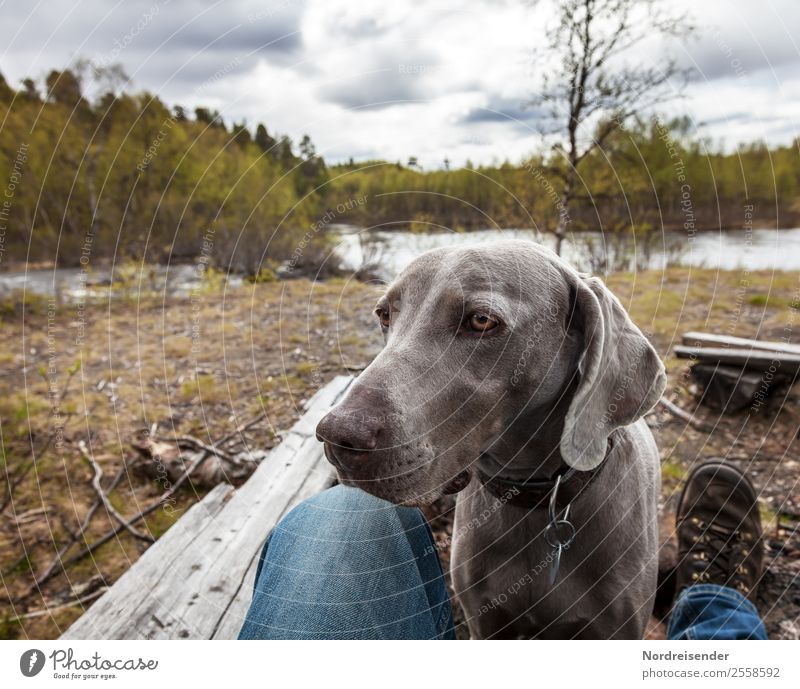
(376, 79)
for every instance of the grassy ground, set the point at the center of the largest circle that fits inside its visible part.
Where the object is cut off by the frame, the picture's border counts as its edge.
(204, 363)
(199, 365)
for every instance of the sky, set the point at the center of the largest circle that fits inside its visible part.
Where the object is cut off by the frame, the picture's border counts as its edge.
(434, 79)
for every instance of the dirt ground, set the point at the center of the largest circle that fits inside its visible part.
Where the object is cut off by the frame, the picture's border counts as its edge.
(209, 363)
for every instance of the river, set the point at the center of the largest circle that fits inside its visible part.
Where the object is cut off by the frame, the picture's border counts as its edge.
(385, 253)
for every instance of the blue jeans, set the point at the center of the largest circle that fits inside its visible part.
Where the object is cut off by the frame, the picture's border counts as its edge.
(713, 612)
(347, 565)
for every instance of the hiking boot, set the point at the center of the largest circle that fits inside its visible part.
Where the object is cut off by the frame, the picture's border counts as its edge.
(719, 530)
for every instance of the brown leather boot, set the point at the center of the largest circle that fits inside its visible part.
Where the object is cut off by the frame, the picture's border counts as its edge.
(719, 530)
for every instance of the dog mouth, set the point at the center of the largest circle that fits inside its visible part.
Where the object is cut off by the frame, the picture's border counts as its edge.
(402, 492)
(458, 484)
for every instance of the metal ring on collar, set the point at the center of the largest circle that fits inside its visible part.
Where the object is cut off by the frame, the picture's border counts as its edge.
(552, 533)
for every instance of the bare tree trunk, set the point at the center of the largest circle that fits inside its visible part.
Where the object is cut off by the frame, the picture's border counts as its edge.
(563, 213)
(591, 88)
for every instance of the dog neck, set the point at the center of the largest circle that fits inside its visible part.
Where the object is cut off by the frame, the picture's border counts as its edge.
(529, 447)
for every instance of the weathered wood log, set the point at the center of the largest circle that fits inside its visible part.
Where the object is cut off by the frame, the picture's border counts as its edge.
(196, 580)
(116, 610)
(753, 359)
(713, 341)
(726, 387)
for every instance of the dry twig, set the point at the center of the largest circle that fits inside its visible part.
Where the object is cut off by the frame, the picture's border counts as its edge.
(147, 510)
(676, 411)
(197, 444)
(101, 494)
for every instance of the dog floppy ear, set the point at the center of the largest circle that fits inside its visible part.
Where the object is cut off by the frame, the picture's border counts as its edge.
(620, 374)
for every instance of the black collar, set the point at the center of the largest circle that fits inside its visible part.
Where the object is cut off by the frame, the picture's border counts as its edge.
(533, 492)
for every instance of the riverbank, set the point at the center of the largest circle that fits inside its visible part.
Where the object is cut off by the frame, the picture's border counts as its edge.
(210, 362)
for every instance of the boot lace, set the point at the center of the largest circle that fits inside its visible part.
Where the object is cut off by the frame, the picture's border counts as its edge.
(719, 554)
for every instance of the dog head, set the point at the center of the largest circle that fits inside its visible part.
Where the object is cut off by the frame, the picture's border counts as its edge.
(477, 338)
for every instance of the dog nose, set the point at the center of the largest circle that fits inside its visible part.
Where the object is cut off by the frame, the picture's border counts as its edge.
(349, 436)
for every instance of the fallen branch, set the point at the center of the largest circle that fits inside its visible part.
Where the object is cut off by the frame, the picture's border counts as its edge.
(106, 537)
(685, 416)
(101, 494)
(48, 611)
(50, 569)
(240, 429)
(27, 516)
(197, 444)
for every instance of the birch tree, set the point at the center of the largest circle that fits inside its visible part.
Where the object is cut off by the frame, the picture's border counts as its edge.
(599, 81)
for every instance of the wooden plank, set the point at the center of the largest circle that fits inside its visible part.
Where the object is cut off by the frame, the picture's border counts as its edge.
(745, 358)
(710, 340)
(129, 588)
(203, 591)
(320, 478)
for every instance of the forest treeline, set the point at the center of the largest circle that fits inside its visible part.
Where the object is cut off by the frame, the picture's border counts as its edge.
(124, 175)
(649, 176)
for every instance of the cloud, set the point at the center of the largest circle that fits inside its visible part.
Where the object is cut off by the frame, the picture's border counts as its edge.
(735, 40)
(504, 110)
(377, 79)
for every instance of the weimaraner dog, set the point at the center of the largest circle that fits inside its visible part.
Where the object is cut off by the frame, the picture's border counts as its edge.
(512, 379)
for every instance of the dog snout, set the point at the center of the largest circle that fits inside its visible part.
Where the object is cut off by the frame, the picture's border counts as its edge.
(352, 431)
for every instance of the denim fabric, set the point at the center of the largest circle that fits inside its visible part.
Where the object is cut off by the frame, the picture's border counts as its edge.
(712, 612)
(347, 565)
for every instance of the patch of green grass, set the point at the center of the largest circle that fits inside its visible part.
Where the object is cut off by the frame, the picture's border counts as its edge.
(117, 502)
(305, 368)
(9, 628)
(12, 305)
(16, 409)
(263, 276)
(768, 517)
(177, 346)
(293, 382)
(20, 566)
(205, 387)
(159, 522)
(672, 471)
(758, 300)
(213, 280)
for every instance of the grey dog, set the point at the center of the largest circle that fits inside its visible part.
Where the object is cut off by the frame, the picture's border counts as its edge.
(515, 381)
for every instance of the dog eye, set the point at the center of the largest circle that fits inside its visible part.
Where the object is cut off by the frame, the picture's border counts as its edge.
(384, 317)
(480, 322)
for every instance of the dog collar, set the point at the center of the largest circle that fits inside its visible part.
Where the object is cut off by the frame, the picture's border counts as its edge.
(533, 493)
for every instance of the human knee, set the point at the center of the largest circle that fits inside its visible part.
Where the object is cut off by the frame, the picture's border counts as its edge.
(347, 513)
